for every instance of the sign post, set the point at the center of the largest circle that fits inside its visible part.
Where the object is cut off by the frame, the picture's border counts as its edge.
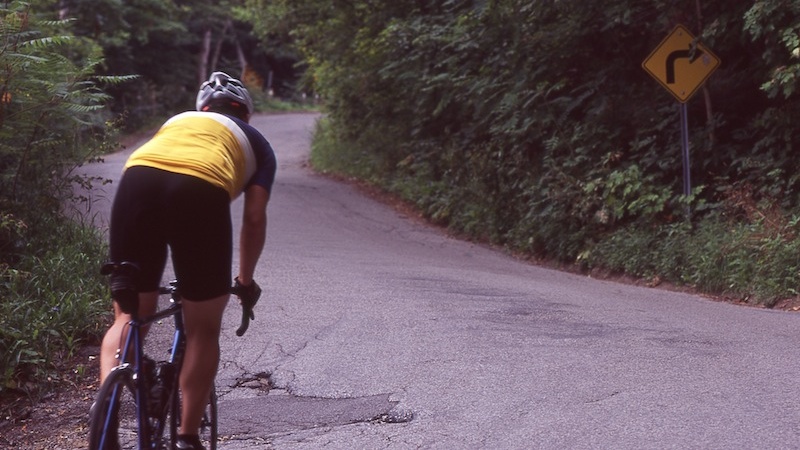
(682, 64)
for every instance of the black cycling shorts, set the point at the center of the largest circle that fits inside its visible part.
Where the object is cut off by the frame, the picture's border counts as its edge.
(156, 211)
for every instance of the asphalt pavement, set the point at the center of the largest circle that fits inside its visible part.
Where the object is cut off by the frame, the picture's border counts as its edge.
(377, 331)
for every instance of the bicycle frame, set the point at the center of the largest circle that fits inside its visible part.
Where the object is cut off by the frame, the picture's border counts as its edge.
(134, 343)
(130, 373)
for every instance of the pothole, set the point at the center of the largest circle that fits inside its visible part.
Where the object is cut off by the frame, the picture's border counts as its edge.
(281, 412)
(260, 381)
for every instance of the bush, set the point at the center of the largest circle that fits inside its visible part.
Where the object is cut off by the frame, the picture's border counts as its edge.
(755, 262)
(532, 125)
(53, 301)
(51, 120)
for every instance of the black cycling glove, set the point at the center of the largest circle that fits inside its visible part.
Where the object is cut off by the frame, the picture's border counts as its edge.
(248, 295)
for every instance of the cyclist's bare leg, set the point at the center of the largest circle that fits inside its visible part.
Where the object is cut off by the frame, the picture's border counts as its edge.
(114, 337)
(203, 323)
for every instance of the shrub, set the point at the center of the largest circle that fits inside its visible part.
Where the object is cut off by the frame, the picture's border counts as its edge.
(51, 119)
(52, 302)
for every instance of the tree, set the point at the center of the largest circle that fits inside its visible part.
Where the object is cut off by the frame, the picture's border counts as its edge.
(774, 22)
(50, 101)
(213, 21)
(534, 122)
(51, 119)
(171, 46)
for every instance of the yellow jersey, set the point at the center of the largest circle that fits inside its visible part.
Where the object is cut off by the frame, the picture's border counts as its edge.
(207, 145)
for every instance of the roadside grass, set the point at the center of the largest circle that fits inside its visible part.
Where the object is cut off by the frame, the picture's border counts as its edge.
(742, 251)
(52, 302)
(751, 262)
(330, 154)
(265, 103)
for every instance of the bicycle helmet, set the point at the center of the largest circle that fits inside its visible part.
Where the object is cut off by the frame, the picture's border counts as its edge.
(222, 89)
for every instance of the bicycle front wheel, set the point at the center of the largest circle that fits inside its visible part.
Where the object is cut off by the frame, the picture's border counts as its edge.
(114, 404)
(208, 424)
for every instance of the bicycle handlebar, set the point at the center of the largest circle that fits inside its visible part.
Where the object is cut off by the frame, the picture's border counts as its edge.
(248, 295)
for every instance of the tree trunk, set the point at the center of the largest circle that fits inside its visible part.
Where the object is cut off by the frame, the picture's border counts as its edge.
(218, 47)
(205, 50)
(706, 93)
(242, 60)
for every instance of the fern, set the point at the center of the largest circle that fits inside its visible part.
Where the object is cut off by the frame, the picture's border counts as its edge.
(47, 42)
(116, 79)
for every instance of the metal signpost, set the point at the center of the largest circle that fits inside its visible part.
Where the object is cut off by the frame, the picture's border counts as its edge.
(682, 64)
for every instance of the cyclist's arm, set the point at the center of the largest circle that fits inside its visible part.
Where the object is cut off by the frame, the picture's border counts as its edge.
(254, 231)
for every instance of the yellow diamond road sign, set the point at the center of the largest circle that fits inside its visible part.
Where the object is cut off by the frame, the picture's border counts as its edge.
(681, 64)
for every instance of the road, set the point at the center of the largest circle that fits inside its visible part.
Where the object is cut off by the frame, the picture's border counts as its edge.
(376, 331)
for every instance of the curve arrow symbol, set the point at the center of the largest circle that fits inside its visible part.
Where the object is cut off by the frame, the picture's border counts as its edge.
(691, 55)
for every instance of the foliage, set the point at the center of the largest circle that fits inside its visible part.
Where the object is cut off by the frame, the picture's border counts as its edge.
(51, 119)
(52, 303)
(145, 38)
(264, 102)
(756, 261)
(533, 125)
(171, 46)
(775, 23)
(329, 157)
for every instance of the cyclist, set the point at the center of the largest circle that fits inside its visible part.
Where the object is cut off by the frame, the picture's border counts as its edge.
(175, 193)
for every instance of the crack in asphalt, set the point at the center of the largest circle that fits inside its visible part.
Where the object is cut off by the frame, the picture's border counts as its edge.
(276, 411)
(264, 405)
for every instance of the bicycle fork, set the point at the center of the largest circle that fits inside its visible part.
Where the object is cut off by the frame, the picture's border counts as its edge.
(136, 381)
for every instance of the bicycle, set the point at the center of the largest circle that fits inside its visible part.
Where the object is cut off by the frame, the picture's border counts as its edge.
(145, 392)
